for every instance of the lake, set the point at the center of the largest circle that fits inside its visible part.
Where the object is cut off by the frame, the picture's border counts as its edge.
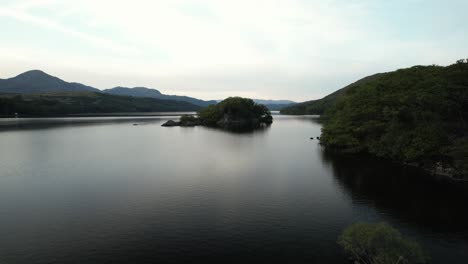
(126, 190)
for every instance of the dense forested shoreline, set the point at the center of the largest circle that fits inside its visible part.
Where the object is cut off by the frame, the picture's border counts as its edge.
(75, 103)
(417, 116)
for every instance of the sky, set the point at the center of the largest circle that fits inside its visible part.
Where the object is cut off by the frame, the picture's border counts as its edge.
(212, 49)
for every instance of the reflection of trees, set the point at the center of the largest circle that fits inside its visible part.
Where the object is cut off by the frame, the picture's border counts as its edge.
(409, 194)
(50, 123)
(308, 118)
(247, 132)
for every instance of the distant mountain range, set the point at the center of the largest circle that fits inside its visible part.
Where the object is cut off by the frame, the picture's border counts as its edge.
(39, 82)
(275, 105)
(153, 93)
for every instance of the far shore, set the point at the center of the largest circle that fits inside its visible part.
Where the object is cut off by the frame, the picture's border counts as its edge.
(128, 114)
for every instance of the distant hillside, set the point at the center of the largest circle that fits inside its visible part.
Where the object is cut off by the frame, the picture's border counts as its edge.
(153, 93)
(278, 107)
(273, 105)
(274, 102)
(73, 103)
(417, 115)
(318, 107)
(40, 82)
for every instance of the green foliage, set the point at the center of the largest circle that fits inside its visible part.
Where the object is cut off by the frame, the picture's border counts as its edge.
(412, 115)
(210, 115)
(188, 118)
(380, 244)
(84, 103)
(459, 151)
(235, 109)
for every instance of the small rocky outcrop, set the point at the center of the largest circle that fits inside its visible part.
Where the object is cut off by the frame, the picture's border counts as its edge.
(171, 123)
(230, 123)
(185, 121)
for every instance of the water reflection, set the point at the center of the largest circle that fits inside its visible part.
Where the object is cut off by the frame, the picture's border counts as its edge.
(436, 204)
(12, 124)
(240, 132)
(110, 192)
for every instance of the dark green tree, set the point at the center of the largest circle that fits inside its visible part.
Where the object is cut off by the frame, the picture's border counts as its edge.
(380, 244)
(414, 115)
(237, 110)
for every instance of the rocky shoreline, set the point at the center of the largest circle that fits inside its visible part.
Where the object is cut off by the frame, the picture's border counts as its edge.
(227, 123)
(433, 168)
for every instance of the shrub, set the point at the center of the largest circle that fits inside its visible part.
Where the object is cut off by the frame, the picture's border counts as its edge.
(380, 244)
(235, 108)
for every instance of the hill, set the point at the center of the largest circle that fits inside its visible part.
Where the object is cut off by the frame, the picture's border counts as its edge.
(75, 103)
(40, 82)
(153, 93)
(417, 115)
(318, 107)
(277, 107)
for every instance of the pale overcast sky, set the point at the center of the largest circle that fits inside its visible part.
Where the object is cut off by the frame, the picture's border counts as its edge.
(298, 50)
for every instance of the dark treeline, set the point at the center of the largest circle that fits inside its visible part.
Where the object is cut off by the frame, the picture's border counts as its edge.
(235, 109)
(417, 115)
(62, 104)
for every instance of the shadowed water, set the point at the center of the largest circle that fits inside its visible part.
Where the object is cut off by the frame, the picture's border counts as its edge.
(126, 190)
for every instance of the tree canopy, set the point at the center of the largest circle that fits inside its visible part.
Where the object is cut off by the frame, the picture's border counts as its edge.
(417, 115)
(72, 103)
(380, 244)
(236, 112)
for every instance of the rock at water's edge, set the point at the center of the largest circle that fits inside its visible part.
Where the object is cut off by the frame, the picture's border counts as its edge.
(171, 123)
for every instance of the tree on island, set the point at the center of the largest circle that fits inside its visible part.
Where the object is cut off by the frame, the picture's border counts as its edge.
(236, 112)
(233, 113)
(380, 244)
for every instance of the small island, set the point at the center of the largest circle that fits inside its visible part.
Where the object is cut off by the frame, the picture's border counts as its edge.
(233, 113)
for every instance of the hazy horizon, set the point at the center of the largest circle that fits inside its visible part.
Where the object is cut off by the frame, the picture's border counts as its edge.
(296, 50)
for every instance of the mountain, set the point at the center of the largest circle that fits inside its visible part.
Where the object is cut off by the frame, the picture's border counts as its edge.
(417, 115)
(278, 107)
(40, 82)
(76, 103)
(36, 81)
(153, 93)
(318, 107)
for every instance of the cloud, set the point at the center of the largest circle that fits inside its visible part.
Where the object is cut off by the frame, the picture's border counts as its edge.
(277, 48)
(20, 13)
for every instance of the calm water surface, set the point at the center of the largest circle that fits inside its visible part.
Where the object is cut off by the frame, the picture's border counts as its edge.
(126, 190)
